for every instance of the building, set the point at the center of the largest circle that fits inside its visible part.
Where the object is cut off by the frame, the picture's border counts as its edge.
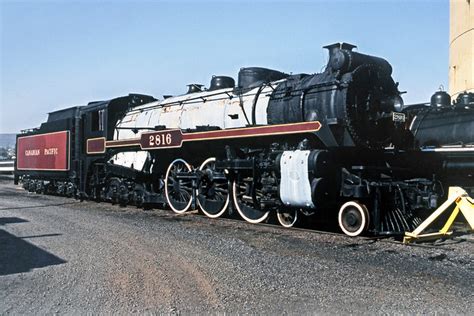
(461, 46)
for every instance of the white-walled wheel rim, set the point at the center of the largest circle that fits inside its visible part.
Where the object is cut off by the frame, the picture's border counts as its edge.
(215, 200)
(353, 218)
(287, 218)
(248, 213)
(178, 192)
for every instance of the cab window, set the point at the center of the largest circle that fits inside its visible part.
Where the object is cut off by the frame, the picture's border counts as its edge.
(97, 121)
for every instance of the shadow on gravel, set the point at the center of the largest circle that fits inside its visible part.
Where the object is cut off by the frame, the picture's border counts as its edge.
(11, 220)
(36, 206)
(17, 255)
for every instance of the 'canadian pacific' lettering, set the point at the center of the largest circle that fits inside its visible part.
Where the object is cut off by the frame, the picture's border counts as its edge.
(50, 151)
(32, 152)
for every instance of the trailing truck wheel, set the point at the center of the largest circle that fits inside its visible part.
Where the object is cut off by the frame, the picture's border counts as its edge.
(213, 192)
(244, 196)
(138, 195)
(287, 218)
(123, 195)
(353, 218)
(113, 190)
(178, 192)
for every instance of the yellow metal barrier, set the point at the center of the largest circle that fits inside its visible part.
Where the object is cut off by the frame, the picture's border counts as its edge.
(464, 205)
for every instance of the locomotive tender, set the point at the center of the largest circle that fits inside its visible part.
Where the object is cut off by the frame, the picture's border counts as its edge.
(336, 142)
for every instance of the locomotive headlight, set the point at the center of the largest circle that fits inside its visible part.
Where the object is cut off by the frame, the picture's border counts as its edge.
(397, 104)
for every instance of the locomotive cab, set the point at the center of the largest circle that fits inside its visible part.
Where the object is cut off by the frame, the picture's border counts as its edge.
(95, 120)
(100, 117)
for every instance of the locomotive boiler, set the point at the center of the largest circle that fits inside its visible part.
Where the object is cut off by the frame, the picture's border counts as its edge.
(272, 144)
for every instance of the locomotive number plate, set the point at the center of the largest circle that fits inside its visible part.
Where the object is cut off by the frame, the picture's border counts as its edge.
(398, 117)
(161, 139)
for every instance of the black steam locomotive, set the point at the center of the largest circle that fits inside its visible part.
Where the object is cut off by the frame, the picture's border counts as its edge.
(339, 143)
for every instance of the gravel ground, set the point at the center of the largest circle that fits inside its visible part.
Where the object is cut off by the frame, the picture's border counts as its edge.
(59, 255)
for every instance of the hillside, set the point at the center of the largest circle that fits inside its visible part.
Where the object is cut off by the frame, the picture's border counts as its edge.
(7, 140)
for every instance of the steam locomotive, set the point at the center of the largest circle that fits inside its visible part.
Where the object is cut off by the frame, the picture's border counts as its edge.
(275, 145)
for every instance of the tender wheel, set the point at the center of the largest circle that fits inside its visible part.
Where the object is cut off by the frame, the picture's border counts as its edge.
(70, 190)
(287, 218)
(244, 196)
(39, 187)
(213, 190)
(32, 186)
(353, 218)
(178, 192)
(26, 184)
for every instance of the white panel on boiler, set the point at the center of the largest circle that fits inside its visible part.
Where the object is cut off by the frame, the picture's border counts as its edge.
(295, 189)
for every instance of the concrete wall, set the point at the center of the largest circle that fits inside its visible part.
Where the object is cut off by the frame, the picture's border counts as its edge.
(461, 46)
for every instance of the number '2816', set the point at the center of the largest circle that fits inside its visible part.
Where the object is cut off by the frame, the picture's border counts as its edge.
(157, 140)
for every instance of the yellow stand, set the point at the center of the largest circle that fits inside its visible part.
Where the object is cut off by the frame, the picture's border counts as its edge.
(464, 204)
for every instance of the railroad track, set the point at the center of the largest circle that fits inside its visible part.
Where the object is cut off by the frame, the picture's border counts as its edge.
(390, 239)
(384, 238)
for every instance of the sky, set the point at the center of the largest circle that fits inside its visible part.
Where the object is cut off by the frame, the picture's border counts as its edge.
(56, 54)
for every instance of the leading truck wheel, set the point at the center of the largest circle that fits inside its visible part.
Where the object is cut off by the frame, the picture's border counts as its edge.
(353, 218)
(287, 218)
(213, 192)
(178, 192)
